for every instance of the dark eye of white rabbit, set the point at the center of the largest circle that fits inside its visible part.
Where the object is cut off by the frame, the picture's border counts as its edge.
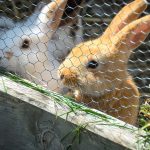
(92, 64)
(25, 43)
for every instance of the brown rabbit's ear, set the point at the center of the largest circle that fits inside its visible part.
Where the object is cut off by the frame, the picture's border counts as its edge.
(126, 15)
(131, 36)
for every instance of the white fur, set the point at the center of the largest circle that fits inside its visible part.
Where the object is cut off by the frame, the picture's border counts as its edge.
(38, 62)
(62, 43)
(146, 1)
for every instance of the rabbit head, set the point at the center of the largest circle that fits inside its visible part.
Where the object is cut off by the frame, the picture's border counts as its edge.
(98, 66)
(23, 48)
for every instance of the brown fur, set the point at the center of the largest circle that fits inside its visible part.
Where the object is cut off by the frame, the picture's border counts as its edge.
(122, 103)
(109, 87)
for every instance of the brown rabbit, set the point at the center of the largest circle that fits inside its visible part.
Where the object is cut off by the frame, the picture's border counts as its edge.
(97, 70)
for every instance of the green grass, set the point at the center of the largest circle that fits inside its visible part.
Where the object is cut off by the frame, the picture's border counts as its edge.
(144, 117)
(57, 97)
(144, 110)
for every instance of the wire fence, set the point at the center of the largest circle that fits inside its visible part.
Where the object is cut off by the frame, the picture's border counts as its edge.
(35, 43)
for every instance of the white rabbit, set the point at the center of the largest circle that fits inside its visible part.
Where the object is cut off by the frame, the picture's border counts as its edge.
(23, 48)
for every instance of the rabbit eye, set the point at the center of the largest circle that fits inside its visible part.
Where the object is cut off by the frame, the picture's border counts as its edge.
(25, 43)
(92, 64)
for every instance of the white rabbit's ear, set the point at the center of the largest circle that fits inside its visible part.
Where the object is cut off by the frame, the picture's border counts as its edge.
(131, 36)
(126, 15)
(39, 7)
(51, 14)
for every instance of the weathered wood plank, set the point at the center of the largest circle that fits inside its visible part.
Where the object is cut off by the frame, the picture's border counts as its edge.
(30, 120)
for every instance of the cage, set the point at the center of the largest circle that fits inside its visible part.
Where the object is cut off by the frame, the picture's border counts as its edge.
(83, 61)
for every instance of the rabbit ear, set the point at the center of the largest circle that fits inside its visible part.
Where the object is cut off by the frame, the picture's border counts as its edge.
(39, 7)
(131, 36)
(51, 14)
(128, 14)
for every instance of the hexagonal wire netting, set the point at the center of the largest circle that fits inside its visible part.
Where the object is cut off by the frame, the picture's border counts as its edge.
(34, 48)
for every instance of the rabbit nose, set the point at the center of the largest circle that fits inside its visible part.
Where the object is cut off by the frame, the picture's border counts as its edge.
(67, 74)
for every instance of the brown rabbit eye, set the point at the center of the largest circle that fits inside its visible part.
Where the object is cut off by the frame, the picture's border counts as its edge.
(92, 64)
(25, 43)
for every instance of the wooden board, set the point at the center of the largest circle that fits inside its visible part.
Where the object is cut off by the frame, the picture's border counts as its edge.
(30, 120)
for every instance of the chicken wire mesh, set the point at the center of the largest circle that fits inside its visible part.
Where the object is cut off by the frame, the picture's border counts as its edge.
(35, 42)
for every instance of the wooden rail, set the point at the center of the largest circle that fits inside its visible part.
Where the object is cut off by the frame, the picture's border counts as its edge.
(30, 120)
